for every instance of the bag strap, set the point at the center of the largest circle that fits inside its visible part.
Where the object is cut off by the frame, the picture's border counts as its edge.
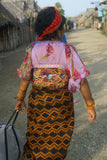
(14, 120)
(5, 132)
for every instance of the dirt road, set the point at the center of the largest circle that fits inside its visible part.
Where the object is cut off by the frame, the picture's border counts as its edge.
(89, 141)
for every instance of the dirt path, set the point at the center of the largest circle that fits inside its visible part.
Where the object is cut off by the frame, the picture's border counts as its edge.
(89, 141)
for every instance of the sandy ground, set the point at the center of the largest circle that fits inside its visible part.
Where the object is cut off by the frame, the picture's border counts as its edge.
(89, 141)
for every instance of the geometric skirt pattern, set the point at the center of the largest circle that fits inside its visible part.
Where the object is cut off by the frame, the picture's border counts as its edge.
(50, 119)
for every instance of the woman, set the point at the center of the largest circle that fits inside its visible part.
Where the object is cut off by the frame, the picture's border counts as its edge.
(56, 72)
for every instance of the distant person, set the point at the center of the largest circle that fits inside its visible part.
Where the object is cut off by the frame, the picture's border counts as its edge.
(76, 25)
(64, 39)
(72, 25)
(35, 39)
(56, 72)
(67, 27)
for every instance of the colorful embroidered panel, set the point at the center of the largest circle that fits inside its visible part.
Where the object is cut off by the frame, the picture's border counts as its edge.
(53, 78)
(48, 55)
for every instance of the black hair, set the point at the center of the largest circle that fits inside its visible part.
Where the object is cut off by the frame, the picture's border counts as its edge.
(62, 23)
(44, 19)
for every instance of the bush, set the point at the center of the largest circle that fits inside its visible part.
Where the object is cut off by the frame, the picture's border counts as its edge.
(103, 32)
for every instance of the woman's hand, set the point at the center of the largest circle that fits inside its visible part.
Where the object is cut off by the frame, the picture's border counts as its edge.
(92, 115)
(19, 105)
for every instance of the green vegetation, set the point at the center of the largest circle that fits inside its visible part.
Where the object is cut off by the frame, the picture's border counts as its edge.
(86, 16)
(58, 5)
(67, 19)
(61, 11)
(36, 2)
(103, 32)
(59, 8)
(104, 9)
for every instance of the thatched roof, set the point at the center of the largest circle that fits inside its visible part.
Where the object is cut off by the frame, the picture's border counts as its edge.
(86, 19)
(13, 9)
(20, 9)
(95, 14)
(76, 19)
(5, 17)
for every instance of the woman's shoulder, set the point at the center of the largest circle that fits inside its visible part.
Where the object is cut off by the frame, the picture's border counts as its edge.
(56, 43)
(70, 45)
(29, 49)
(30, 46)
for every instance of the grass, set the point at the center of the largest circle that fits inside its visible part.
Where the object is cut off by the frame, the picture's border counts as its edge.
(103, 32)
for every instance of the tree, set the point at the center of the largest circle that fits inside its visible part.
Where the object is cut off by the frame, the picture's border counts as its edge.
(67, 19)
(61, 11)
(59, 8)
(58, 5)
(36, 2)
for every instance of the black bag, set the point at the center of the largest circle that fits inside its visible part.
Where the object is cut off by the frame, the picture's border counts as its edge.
(11, 142)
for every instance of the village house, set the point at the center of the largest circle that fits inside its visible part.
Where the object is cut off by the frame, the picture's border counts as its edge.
(86, 19)
(18, 29)
(95, 19)
(104, 14)
(8, 30)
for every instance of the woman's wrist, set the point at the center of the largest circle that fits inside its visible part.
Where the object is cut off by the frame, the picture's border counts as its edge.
(90, 105)
(21, 95)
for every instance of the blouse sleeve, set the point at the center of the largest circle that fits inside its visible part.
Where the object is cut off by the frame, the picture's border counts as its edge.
(25, 70)
(76, 68)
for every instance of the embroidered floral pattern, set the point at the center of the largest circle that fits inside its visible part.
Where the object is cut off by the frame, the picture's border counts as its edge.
(76, 75)
(86, 71)
(67, 51)
(19, 73)
(68, 72)
(49, 51)
(76, 69)
(72, 72)
(26, 57)
(73, 88)
(24, 71)
(52, 78)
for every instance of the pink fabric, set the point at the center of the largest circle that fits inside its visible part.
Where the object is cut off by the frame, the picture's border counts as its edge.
(56, 55)
(49, 54)
(25, 70)
(60, 55)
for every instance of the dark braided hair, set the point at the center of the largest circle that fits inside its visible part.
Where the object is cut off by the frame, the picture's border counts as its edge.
(44, 19)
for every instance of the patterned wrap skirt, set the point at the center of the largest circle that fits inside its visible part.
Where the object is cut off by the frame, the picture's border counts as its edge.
(50, 124)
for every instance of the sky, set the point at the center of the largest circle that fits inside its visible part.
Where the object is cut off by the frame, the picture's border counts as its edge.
(71, 7)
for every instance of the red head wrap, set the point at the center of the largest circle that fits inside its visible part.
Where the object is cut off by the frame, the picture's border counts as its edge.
(54, 25)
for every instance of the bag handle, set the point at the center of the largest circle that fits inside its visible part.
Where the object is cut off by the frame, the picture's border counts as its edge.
(6, 144)
(14, 120)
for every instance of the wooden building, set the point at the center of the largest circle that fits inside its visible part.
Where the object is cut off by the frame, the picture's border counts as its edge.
(14, 27)
(104, 4)
(86, 19)
(13, 33)
(8, 32)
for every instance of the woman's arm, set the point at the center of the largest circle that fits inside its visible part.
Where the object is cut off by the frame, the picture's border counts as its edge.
(21, 95)
(89, 101)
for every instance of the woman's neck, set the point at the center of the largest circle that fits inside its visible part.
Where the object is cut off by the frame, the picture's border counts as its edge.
(52, 40)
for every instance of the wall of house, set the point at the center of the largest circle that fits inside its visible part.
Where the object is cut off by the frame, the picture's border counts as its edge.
(105, 25)
(12, 37)
(23, 34)
(8, 40)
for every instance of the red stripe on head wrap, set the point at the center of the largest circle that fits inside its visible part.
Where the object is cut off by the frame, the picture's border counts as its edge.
(54, 25)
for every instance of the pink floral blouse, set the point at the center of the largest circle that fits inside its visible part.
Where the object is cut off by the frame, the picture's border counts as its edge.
(53, 64)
